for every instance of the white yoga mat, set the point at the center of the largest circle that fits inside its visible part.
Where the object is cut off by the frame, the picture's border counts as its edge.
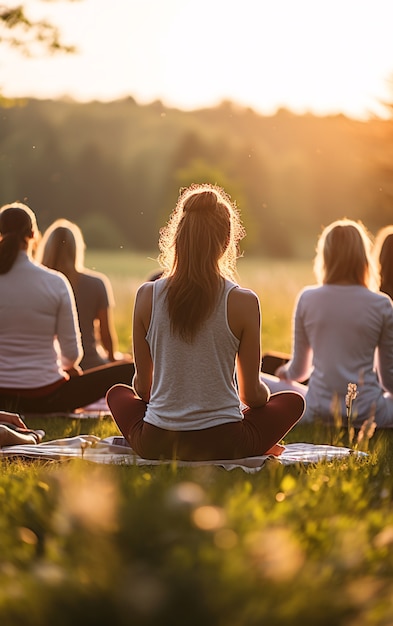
(115, 450)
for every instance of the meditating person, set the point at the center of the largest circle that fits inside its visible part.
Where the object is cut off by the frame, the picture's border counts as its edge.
(62, 248)
(343, 333)
(13, 431)
(197, 393)
(383, 253)
(40, 347)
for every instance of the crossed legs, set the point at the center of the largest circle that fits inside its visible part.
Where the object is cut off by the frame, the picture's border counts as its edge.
(258, 433)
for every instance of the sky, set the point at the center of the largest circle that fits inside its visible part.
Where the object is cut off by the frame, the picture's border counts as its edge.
(318, 56)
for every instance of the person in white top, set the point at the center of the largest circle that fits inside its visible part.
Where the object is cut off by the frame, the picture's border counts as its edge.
(40, 346)
(343, 333)
(197, 393)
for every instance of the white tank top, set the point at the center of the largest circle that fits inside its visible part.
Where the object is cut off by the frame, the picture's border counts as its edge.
(193, 383)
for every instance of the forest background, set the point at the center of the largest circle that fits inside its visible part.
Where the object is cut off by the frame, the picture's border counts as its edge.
(115, 168)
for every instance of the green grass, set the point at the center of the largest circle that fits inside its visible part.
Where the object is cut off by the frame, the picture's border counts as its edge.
(86, 544)
(275, 282)
(126, 271)
(170, 546)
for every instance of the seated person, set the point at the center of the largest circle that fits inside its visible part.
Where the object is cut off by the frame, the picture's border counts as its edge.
(39, 333)
(343, 333)
(195, 331)
(62, 248)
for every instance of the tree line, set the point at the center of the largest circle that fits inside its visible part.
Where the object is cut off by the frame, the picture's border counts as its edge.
(116, 168)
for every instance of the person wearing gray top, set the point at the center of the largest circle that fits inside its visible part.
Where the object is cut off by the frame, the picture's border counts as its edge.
(343, 333)
(197, 393)
(40, 345)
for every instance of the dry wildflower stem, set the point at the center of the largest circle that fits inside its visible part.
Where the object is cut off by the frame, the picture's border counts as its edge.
(366, 432)
(84, 445)
(349, 398)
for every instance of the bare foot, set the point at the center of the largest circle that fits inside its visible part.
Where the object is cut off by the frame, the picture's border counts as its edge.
(276, 450)
(9, 437)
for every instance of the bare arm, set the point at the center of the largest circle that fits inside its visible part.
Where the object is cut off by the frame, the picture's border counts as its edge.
(245, 322)
(67, 330)
(384, 352)
(300, 366)
(142, 358)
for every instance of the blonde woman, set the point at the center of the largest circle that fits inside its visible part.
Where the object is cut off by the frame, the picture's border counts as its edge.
(193, 328)
(62, 248)
(343, 331)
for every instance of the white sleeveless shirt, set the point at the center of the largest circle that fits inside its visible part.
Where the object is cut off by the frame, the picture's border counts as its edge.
(193, 383)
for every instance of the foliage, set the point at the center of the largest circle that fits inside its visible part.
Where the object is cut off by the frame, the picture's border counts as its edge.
(99, 231)
(95, 545)
(89, 544)
(29, 36)
(276, 282)
(124, 163)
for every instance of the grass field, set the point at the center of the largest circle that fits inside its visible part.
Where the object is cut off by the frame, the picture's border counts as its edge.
(275, 282)
(169, 546)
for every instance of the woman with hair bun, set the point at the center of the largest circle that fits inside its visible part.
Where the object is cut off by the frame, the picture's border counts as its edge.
(40, 346)
(197, 393)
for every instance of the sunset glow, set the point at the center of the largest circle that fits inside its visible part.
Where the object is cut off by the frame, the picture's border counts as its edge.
(318, 56)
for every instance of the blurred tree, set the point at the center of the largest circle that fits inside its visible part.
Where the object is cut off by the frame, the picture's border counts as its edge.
(290, 175)
(99, 231)
(29, 36)
(382, 196)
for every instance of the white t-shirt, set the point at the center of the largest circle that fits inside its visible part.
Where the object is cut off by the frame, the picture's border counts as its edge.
(344, 334)
(39, 331)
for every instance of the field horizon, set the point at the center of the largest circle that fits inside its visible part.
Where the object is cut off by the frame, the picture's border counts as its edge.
(275, 281)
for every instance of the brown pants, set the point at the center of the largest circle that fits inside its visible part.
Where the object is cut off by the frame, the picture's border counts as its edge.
(68, 395)
(272, 360)
(258, 432)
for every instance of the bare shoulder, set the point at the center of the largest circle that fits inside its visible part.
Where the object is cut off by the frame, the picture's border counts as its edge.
(144, 297)
(145, 291)
(243, 310)
(241, 298)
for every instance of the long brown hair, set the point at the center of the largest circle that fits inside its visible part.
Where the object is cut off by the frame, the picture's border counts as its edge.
(383, 252)
(62, 248)
(344, 255)
(198, 248)
(17, 225)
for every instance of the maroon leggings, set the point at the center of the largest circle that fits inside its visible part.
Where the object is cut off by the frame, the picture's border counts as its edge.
(68, 395)
(260, 429)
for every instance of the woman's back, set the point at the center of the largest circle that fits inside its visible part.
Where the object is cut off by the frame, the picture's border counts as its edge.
(92, 295)
(35, 308)
(40, 345)
(62, 248)
(190, 328)
(344, 324)
(343, 331)
(203, 370)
